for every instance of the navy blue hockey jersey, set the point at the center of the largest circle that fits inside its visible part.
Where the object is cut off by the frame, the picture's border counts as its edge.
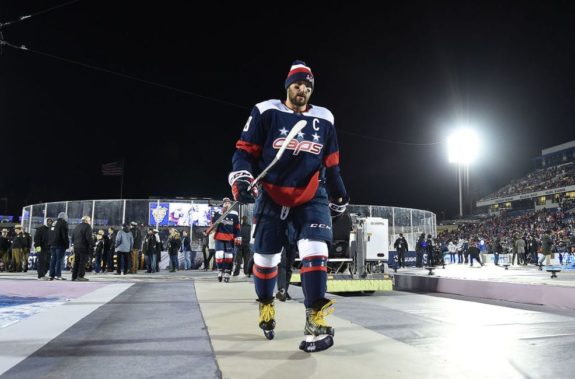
(295, 178)
(228, 228)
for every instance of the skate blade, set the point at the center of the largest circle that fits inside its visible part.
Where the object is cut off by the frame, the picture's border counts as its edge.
(314, 344)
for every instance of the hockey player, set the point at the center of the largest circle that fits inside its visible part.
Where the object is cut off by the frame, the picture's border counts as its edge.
(227, 235)
(301, 189)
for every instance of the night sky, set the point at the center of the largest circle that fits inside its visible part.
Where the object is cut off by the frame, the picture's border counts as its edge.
(397, 81)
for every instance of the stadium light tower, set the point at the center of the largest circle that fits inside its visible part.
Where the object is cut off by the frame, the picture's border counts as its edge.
(463, 149)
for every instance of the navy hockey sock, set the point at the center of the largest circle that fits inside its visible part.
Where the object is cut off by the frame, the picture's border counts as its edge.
(313, 278)
(265, 280)
(228, 264)
(220, 264)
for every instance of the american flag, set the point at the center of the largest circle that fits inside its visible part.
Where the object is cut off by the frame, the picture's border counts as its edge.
(113, 169)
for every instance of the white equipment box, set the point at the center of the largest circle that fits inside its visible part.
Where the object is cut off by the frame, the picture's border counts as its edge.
(377, 240)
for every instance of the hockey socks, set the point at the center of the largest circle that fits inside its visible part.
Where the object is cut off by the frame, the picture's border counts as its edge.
(313, 278)
(265, 281)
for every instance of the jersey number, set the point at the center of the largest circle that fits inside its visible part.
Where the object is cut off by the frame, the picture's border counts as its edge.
(247, 125)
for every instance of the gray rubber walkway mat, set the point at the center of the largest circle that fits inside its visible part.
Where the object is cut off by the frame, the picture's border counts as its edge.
(151, 330)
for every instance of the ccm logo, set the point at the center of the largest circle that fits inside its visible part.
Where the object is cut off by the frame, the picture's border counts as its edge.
(321, 226)
(297, 146)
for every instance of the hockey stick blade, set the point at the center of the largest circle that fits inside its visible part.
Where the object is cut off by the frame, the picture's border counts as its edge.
(291, 135)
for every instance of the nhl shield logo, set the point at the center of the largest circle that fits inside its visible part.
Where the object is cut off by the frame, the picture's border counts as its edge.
(159, 213)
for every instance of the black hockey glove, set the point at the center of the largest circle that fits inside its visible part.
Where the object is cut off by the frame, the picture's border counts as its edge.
(337, 206)
(240, 182)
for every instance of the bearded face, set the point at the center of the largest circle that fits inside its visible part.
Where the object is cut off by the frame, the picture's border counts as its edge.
(299, 93)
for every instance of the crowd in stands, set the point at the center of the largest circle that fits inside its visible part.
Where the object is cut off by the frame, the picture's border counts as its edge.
(501, 232)
(538, 180)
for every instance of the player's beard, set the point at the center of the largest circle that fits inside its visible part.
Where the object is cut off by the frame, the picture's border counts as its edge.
(297, 99)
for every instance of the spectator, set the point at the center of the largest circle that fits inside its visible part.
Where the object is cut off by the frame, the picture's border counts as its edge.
(124, 245)
(5, 245)
(419, 249)
(546, 246)
(243, 252)
(473, 251)
(174, 245)
(149, 250)
(401, 248)
(100, 252)
(42, 247)
(19, 244)
(187, 250)
(520, 249)
(83, 242)
(137, 235)
(452, 248)
(159, 248)
(59, 242)
(111, 249)
(289, 253)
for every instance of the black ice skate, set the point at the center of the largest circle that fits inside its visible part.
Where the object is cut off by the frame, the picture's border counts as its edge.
(319, 335)
(267, 314)
(227, 277)
(220, 274)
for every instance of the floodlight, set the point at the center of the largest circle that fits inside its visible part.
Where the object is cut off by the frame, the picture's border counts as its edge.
(463, 146)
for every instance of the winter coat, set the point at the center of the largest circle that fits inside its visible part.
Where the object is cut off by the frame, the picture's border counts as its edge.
(124, 241)
(59, 234)
(82, 237)
(174, 245)
(42, 237)
(137, 234)
(150, 245)
(546, 244)
(520, 245)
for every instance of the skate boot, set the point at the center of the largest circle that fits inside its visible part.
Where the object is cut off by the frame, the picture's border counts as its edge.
(227, 277)
(281, 295)
(220, 275)
(267, 314)
(319, 335)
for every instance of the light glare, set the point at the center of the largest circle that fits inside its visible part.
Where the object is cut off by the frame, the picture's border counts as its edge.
(463, 146)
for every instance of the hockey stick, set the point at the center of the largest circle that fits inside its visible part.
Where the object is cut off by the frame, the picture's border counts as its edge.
(291, 135)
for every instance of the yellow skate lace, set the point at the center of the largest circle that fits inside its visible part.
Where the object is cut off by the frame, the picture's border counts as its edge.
(319, 317)
(267, 312)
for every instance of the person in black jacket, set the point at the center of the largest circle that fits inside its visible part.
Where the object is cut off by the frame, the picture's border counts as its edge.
(100, 251)
(401, 247)
(59, 242)
(106, 250)
(150, 248)
(20, 244)
(419, 249)
(5, 245)
(429, 250)
(243, 253)
(474, 252)
(137, 234)
(174, 245)
(159, 248)
(42, 247)
(111, 249)
(83, 244)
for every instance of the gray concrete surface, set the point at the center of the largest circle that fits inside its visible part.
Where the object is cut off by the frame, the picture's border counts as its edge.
(190, 326)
